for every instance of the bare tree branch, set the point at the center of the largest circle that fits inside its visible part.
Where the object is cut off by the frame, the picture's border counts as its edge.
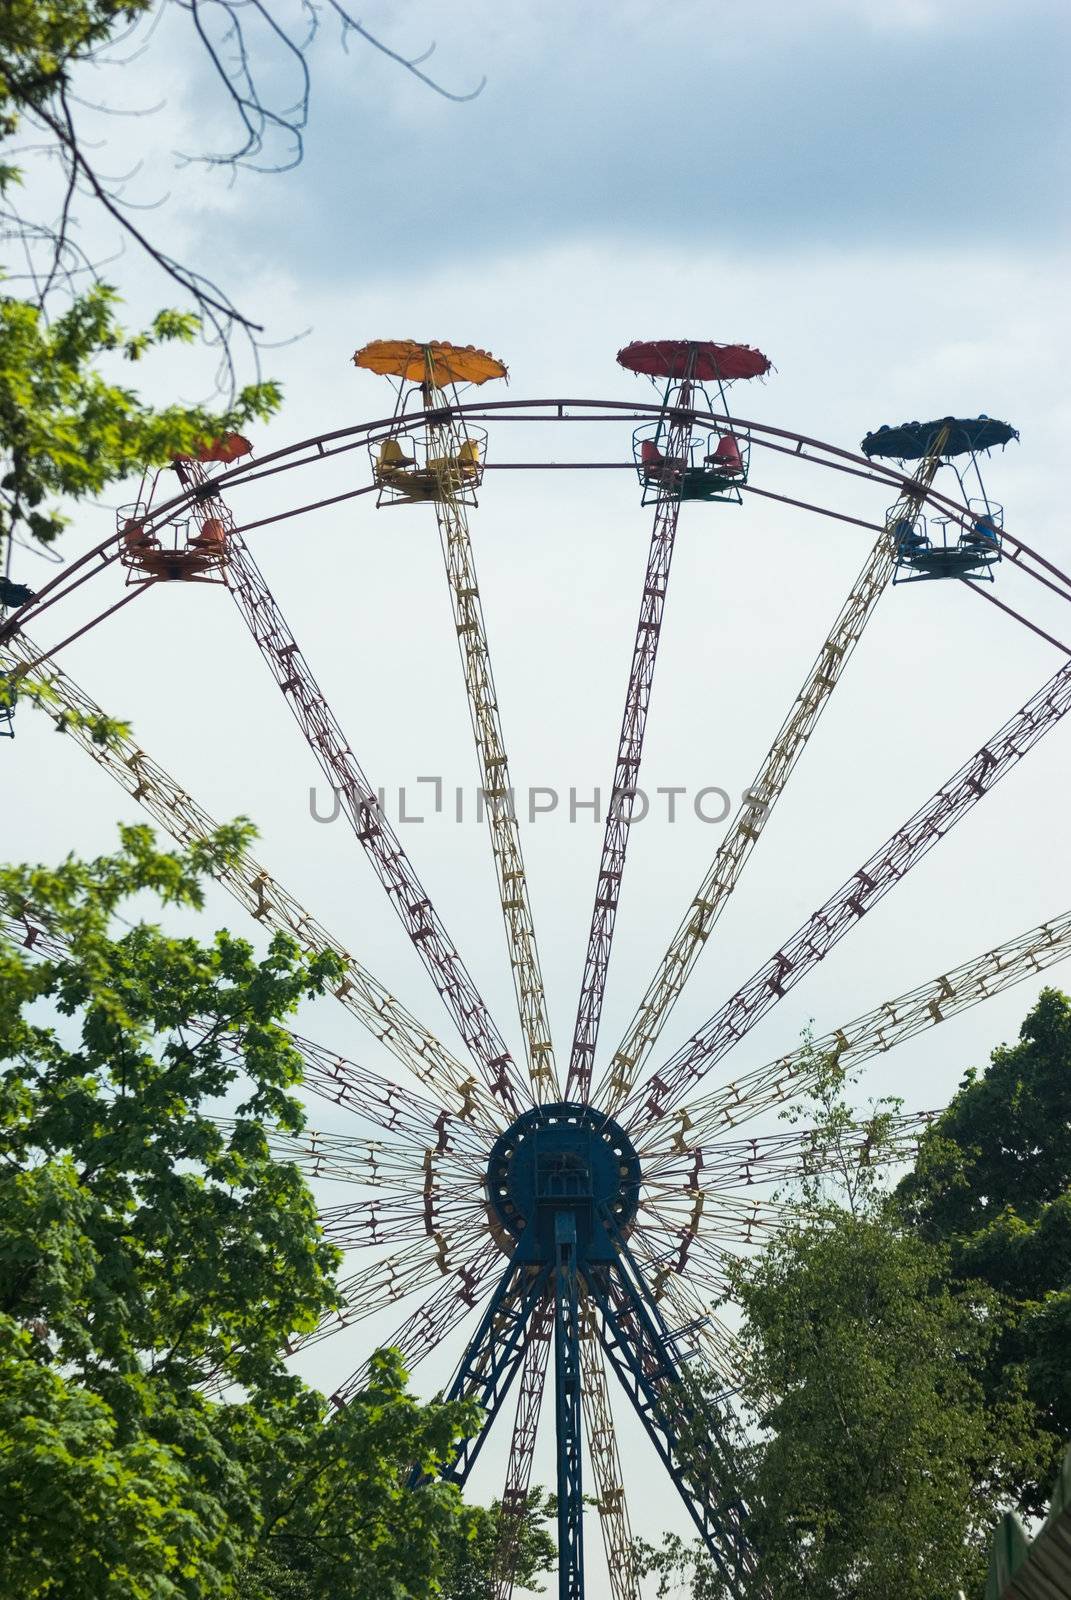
(237, 62)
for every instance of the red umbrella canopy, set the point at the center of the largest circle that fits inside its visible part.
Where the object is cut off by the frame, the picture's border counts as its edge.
(674, 358)
(230, 447)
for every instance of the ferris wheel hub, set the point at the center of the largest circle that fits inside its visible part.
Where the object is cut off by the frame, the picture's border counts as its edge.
(562, 1157)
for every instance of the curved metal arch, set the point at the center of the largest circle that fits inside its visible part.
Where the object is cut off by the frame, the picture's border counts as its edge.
(339, 441)
(325, 446)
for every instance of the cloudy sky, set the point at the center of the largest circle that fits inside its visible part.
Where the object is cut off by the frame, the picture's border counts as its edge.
(872, 194)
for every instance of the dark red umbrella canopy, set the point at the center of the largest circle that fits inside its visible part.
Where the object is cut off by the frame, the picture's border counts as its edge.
(229, 447)
(671, 358)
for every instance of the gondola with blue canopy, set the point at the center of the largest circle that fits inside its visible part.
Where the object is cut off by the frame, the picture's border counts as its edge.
(947, 547)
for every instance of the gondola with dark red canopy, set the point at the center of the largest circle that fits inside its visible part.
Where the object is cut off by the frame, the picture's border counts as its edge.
(710, 467)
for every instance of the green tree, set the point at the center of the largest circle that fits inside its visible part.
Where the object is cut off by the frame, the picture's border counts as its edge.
(69, 425)
(880, 1469)
(147, 1250)
(878, 1461)
(992, 1183)
(67, 430)
(471, 1552)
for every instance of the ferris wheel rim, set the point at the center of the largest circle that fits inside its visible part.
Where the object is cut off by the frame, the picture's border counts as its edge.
(805, 448)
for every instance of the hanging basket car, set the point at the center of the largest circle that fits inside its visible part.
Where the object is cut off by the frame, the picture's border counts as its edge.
(437, 458)
(957, 548)
(670, 462)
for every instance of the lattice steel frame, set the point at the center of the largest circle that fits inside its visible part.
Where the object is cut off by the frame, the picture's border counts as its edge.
(637, 1343)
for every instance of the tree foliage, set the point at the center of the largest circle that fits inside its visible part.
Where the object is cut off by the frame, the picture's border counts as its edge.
(471, 1550)
(992, 1183)
(863, 1373)
(66, 430)
(154, 1262)
(889, 1430)
(68, 425)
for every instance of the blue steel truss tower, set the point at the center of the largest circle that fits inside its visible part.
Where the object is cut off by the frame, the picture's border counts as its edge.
(563, 1186)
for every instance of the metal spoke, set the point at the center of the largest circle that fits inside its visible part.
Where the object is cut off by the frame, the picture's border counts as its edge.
(27, 928)
(357, 1225)
(765, 790)
(375, 834)
(1026, 956)
(629, 753)
(522, 1448)
(374, 1099)
(694, 1318)
(339, 1081)
(265, 899)
(445, 445)
(781, 1157)
(370, 1163)
(673, 1255)
(436, 1317)
(844, 909)
(725, 1217)
(606, 1462)
(383, 1282)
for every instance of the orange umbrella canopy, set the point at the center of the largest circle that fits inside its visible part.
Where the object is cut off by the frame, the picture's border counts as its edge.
(436, 362)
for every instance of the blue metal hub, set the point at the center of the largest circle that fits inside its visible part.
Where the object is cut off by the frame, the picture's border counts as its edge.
(559, 1158)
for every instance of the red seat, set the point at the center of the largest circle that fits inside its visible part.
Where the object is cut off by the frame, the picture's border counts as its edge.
(656, 466)
(727, 457)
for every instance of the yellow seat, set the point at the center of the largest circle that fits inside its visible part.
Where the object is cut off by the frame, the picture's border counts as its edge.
(468, 458)
(392, 458)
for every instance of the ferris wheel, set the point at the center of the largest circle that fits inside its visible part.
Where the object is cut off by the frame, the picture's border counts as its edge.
(582, 1206)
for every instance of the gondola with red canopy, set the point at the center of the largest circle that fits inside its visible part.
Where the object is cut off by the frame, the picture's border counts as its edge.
(714, 464)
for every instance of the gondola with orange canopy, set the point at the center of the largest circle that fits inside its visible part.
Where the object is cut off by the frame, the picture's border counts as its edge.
(417, 458)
